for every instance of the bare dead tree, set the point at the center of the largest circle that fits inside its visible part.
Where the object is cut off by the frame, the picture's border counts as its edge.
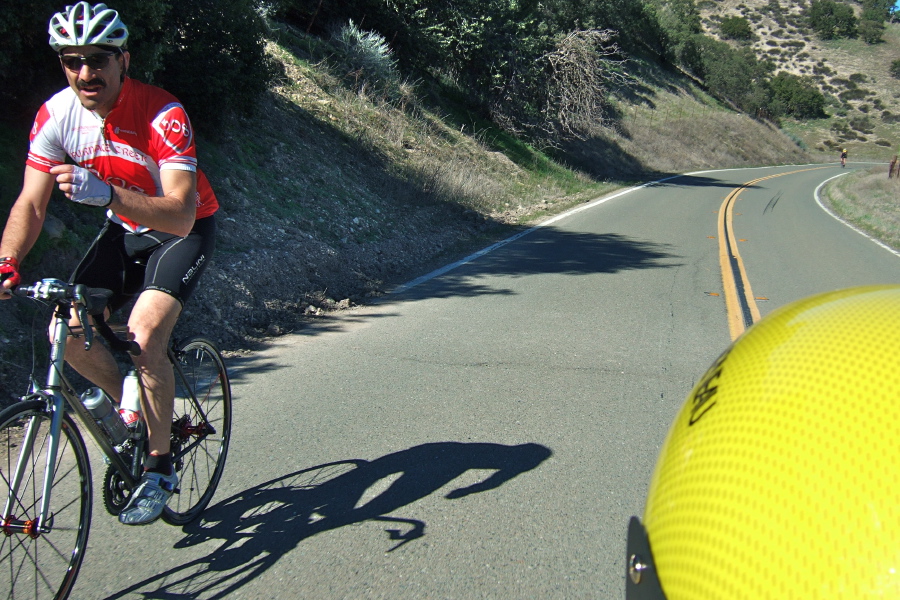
(583, 67)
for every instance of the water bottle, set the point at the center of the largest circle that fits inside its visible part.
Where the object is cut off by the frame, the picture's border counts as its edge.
(101, 408)
(130, 408)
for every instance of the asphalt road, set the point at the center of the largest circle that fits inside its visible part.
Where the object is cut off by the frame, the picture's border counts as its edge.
(488, 432)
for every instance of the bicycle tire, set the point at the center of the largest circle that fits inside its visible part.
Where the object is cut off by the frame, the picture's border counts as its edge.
(201, 428)
(43, 565)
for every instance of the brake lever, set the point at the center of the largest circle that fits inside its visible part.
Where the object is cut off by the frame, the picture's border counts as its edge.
(81, 310)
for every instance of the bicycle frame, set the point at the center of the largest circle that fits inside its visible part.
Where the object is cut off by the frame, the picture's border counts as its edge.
(58, 393)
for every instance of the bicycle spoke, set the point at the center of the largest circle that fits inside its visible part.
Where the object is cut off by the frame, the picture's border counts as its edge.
(44, 564)
(201, 427)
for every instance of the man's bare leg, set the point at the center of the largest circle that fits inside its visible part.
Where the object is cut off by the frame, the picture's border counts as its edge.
(97, 365)
(151, 323)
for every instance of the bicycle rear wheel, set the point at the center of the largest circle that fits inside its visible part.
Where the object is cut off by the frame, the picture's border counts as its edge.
(201, 427)
(42, 564)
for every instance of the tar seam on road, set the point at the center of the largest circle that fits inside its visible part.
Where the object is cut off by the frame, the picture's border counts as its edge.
(740, 303)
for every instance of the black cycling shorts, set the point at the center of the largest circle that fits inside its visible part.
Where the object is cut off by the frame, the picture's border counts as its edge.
(128, 263)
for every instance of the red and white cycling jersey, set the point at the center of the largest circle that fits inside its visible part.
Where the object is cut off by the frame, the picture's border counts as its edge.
(147, 131)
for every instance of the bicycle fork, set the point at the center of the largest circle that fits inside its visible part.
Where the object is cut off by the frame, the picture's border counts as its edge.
(42, 524)
(55, 400)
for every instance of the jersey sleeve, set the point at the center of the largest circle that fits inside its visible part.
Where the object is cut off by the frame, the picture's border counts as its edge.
(174, 139)
(45, 149)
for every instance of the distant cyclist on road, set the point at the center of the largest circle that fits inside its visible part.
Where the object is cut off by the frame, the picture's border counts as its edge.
(844, 157)
(134, 154)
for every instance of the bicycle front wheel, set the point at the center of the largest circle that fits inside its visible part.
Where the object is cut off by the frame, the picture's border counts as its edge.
(37, 562)
(201, 427)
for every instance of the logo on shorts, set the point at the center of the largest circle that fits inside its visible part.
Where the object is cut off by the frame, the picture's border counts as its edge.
(193, 270)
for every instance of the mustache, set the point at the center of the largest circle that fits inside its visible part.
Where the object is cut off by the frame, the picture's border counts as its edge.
(93, 82)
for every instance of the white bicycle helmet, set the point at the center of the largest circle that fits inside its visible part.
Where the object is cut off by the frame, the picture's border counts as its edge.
(83, 25)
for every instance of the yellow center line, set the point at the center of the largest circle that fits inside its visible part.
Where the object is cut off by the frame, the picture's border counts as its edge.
(740, 304)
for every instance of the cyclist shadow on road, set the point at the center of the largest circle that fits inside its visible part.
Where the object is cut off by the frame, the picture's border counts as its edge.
(260, 525)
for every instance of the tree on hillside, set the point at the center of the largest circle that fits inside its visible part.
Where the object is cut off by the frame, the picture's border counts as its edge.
(634, 21)
(734, 74)
(871, 22)
(830, 19)
(679, 22)
(511, 57)
(736, 28)
(796, 96)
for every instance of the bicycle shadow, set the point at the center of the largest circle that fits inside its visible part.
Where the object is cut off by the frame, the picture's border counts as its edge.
(260, 525)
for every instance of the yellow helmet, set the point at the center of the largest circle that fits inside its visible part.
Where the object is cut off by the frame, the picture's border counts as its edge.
(780, 477)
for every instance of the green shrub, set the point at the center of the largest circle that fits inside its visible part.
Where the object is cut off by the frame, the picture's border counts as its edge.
(733, 74)
(830, 19)
(366, 59)
(847, 83)
(855, 94)
(895, 68)
(736, 28)
(870, 31)
(796, 96)
(862, 124)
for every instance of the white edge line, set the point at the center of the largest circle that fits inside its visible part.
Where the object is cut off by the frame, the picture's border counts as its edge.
(447, 268)
(853, 227)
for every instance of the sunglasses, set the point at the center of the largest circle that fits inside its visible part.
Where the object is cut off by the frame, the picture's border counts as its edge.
(95, 62)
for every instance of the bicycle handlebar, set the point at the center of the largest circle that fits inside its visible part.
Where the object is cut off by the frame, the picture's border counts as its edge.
(87, 301)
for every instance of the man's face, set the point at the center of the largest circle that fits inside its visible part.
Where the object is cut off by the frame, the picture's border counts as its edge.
(95, 74)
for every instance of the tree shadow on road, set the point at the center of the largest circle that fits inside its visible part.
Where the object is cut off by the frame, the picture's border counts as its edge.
(547, 250)
(258, 526)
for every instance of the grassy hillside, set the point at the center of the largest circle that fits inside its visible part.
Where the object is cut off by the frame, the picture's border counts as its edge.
(868, 199)
(863, 98)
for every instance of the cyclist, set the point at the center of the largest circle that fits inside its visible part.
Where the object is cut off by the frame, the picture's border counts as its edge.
(134, 154)
(778, 476)
(844, 157)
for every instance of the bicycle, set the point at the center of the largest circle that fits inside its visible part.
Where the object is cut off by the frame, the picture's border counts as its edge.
(46, 487)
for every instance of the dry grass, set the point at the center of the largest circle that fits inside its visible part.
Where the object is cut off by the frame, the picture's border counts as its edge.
(710, 139)
(422, 151)
(674, 127)
(870, 201)
(783, 36)
(663, 124)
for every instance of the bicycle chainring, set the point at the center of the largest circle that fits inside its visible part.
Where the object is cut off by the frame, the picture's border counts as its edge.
(115, 494)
